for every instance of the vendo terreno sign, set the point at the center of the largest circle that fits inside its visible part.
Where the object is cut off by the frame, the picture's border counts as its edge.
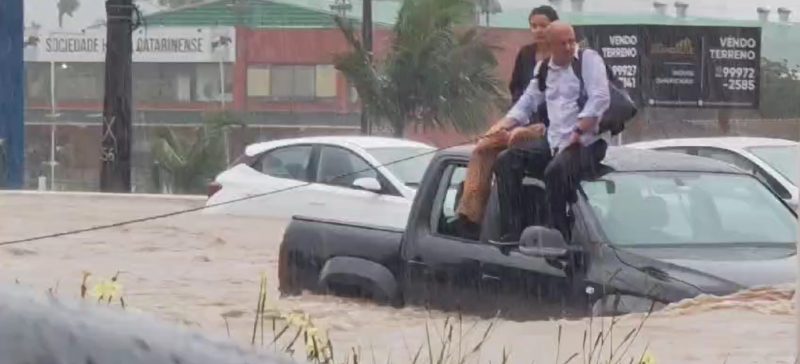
(150, 44)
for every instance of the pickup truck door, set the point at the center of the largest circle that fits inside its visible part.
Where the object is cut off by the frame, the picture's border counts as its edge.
(521, 284)
(441, 268)
(447, 271)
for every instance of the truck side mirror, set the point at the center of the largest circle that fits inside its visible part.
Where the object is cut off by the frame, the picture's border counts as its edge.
(542, 242)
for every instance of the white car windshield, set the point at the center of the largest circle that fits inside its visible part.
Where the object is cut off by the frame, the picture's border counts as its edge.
(785, 159)
(408, 164)
(671, 208)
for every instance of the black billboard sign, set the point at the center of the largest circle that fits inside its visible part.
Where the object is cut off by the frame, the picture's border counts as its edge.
(682, 66)
(733, 58)
(675, 60)
(621, 48)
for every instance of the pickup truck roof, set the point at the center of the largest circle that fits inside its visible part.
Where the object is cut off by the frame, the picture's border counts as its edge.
(624, 159)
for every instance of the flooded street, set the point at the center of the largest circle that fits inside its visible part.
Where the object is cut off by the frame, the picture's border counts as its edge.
(201, 270)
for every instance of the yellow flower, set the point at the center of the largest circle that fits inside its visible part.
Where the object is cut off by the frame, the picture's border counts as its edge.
(648, 358)
(107, 290)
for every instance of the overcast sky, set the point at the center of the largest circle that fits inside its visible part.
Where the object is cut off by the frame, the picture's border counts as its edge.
(45, 12)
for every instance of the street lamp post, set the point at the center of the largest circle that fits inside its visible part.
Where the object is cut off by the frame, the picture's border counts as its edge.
(222, 43)
(341, 7)
(366, 36)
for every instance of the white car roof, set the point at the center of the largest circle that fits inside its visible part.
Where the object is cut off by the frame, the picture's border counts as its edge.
(365, 142)
(720, 142)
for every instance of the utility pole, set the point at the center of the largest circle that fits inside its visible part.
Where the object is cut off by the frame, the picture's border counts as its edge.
(115, 173)
(366, 36)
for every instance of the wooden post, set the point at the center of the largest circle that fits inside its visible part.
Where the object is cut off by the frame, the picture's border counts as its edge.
(115, 173)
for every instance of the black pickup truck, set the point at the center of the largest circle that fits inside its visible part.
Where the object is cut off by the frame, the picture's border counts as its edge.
(652, 228)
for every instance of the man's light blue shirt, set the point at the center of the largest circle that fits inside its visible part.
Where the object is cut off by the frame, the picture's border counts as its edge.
(561, 95)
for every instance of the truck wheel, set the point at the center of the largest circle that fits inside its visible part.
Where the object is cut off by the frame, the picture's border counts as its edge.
(357, 277)
(41, 329)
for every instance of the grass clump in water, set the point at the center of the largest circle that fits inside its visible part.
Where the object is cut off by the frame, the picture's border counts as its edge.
(445, 346)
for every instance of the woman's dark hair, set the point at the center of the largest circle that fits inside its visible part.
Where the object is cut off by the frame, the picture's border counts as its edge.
(545, 10)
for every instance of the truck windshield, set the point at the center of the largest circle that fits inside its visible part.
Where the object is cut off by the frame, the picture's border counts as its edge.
(666, 208)
(407, 163)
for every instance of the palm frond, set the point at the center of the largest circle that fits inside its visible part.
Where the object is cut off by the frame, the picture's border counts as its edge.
(192, 161)
(438, 73)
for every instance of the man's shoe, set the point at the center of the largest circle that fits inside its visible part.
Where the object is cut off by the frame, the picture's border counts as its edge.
(468, 229)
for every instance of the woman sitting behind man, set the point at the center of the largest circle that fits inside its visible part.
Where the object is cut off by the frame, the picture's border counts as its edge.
(524, 149)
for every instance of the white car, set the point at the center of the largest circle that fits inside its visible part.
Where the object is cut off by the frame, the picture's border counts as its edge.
(369, 180)
(776, 162)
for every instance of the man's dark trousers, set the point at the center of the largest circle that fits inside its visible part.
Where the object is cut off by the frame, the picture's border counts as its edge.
(510, 168)
(563, 175)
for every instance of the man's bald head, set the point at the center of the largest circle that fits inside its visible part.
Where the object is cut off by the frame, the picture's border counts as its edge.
(561, 37)
(559, 27)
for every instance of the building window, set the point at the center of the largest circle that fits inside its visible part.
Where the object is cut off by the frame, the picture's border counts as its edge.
(325, 81)
(162, 82)
(37, 86)
(258, 82)
(207, 80)
(79, 81)
(291, 82)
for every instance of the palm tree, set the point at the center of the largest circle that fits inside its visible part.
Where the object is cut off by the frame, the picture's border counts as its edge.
(439, 71)
(188, 165)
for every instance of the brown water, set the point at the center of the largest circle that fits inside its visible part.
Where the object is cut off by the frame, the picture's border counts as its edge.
(194, 269)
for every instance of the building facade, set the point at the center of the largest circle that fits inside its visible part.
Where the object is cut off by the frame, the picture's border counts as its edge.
(271, 62)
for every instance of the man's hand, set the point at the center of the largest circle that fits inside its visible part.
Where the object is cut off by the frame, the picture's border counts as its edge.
(500, 127)
(584, 126)
(574, 138)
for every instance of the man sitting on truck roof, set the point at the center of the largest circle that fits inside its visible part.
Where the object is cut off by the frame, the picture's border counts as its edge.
(573, 130)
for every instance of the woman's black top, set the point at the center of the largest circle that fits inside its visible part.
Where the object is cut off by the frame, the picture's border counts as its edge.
(521, 76)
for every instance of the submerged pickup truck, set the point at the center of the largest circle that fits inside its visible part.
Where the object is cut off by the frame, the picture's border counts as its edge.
(650, 229)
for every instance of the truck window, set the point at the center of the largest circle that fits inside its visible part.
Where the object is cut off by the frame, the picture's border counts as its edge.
(452, 184)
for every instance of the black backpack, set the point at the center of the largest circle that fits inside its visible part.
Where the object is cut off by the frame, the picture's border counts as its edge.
(621, 109)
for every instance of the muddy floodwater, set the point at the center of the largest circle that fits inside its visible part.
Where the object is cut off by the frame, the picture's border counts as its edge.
(195, 269)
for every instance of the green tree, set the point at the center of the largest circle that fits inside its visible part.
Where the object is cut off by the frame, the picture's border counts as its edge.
(439, 71)
(780, 89)
(66, 7)
(187, 164)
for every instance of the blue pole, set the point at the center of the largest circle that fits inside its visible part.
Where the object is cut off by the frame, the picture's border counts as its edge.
(12, 95)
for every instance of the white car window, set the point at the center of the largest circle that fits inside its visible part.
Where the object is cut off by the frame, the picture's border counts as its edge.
(740, 161)
(728, 157)
(341, 167)
(286, 162)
